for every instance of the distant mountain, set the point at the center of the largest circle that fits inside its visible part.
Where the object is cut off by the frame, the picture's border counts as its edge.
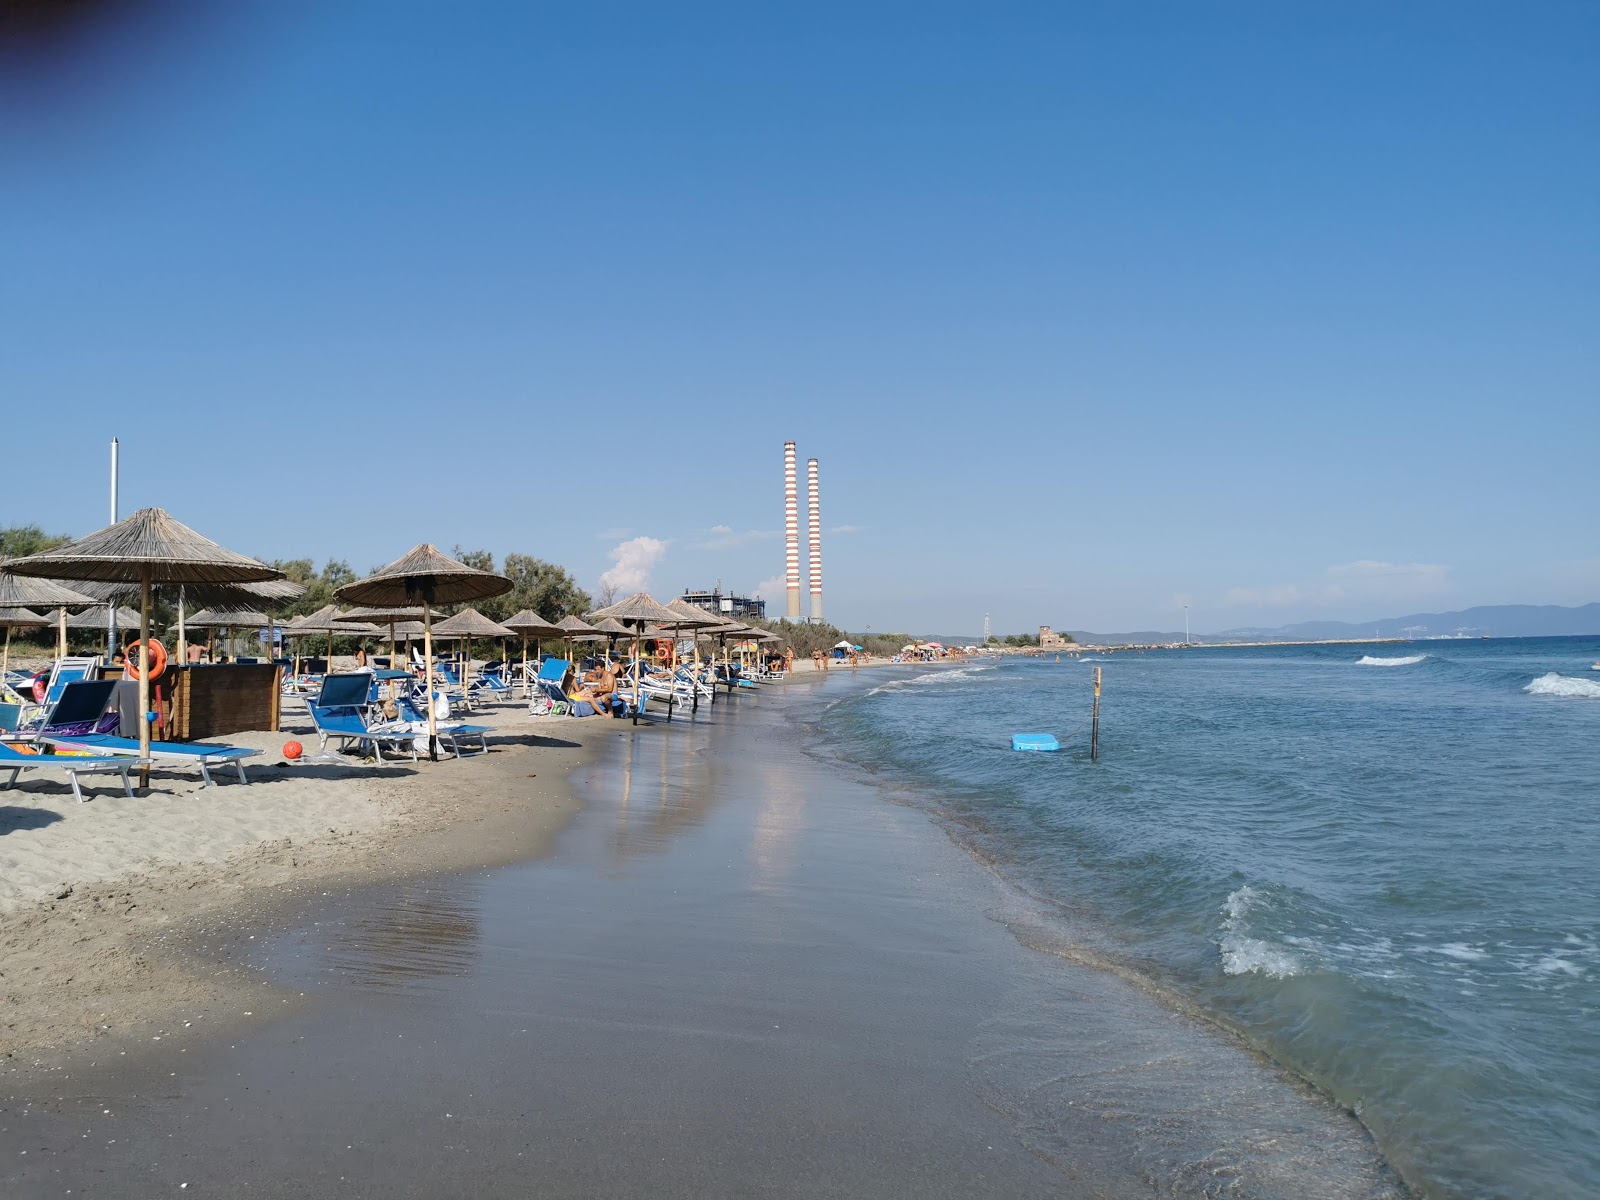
(1489, 620)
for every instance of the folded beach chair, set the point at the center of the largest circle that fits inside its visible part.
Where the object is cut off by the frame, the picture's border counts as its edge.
(72, 726)
(71, 765)
(339, 711)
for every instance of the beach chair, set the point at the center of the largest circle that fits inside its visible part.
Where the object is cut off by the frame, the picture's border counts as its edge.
(548, 699)
(78, 718)
(15, 761)
(340, 709)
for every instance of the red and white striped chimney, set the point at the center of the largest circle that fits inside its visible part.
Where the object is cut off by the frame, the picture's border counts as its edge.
(791, 532)
(815, 557)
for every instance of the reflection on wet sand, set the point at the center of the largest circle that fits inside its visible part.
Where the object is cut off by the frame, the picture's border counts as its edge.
(424, 931)
(665, 788)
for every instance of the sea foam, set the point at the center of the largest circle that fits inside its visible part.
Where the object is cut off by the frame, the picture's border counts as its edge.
(1242, 954)
(1557, 684)
(1368, 660)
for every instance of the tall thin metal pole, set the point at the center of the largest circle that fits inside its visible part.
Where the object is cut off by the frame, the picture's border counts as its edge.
(111, 609)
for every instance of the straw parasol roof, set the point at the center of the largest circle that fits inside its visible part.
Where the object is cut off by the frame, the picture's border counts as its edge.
(638, 609)
(21, 618)
(327, 619)
(428, 575)
(692, 616)
(470, 623)
(614, 627)
(211, 618)
(95, 618)
(19, 591)
(576, 629)
(380, 614)
(530, 624)
(409, 629)
(149, 542)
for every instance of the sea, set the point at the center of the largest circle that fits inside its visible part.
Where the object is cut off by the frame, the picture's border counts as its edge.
(1378, 865)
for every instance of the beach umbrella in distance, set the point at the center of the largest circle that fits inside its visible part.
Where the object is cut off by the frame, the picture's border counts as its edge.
(267, 596)
(214, 619)
(696, 620)
(637, 611)
(22, 591)
(329, 619)
(16, 618)
(379, 615)
(575, 629)
(466, 625)
(428, 577)
(528, 623)
(97, 616)
(150, 547)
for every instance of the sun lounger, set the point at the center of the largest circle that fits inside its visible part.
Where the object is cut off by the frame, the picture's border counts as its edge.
(79, 716)
(71, 765)
(339, 711)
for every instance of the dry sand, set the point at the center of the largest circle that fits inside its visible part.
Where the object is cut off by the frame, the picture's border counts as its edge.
(100, 902)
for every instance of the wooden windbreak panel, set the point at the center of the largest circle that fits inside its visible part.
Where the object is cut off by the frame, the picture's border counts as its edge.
(211, 702)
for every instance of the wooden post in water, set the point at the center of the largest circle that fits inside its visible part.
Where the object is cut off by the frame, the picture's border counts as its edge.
(1094, 726)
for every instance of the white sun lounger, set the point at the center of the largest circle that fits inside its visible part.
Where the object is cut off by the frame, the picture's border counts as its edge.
(15, 762)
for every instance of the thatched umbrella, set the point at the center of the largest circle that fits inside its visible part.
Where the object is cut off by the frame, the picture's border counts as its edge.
(637, 611)
(328, 619)
(21, 591)
(16, 618)
(697, 620)
(433, 578)
(380, 615)
(152, 548)
(530, 624)
(575, 629)
(267, 596)
(466, 625)
(214, 619)
(97, 616)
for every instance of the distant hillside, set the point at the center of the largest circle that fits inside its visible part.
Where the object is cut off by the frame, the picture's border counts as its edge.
(1489, 620)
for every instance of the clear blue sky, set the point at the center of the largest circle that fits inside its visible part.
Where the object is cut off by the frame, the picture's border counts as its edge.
(1290, 310)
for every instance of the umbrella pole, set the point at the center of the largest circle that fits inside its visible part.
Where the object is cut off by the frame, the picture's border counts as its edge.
(636, 676)
(61, 632)
(524, 666)
(694, 679)
(5, 661)
(183, 653)
(427, 680)
(144, 678)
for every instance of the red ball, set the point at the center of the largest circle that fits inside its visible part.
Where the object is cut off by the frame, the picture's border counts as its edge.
(293, 750)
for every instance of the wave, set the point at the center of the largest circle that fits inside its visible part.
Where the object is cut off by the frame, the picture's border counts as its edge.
(1369, 660)
(1557, 684)
(1242, 954)
(931, 677)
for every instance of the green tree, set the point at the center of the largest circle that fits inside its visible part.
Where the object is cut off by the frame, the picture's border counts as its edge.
(542, 586)
(19, 541)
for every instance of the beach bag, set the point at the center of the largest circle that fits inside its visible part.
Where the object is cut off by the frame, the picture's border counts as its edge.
(441, 707)
(391, 711)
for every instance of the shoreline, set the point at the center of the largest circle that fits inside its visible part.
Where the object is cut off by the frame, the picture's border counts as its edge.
(1199, 1101)
(109, 958)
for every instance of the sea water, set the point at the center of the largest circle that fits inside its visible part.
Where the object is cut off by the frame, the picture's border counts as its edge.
(1379, 865)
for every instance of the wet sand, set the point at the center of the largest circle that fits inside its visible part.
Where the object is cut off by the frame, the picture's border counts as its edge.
(741, 971)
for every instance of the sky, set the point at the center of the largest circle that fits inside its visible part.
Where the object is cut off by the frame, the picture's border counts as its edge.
(1087, 311)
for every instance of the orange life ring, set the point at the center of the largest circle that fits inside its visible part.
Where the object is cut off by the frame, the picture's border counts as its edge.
(158, 663)
(663, 651)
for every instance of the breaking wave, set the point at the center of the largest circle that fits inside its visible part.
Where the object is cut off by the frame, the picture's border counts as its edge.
(1369, 660)
(1557, 684)
(1242, 954)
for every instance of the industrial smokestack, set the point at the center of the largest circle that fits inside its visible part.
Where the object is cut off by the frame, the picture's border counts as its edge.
(791, 532)
(815, 557)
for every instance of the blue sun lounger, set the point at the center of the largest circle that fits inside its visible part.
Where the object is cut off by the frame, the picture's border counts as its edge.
(339, 712)
(74, 726)
(15, 762)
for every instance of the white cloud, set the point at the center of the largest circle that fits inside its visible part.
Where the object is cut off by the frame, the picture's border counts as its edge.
(1365, 581)
(725, 537)
(847, 529)
(770, 589)
(631, 564)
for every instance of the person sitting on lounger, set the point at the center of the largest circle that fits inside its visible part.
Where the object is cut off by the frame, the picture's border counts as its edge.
(600, 688)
